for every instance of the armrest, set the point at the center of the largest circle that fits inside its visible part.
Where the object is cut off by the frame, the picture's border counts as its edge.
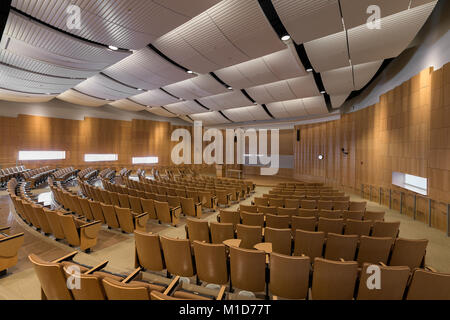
(172, 285)
(97, 267)
(221, 294)
(66, 257)
(5, 228)
(132, 275)
(382, 264)
(90, 224)
(430, 269)
(174, 208)
(341, 260)
(141, 215)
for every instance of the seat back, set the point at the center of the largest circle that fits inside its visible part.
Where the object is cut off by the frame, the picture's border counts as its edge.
(267, 210)
(250, 235)
(197, 230)
(357, 206)
(252, 219)
(110, 215)
(233, 217)
(148, 251)
(248, 269)
(341, 247)
(89, 286)
(178, 256)
(162, 211)
(308, 213)
(187, 206)
(125, 218)
(408, 252)
(340, 205)
(290, 212)
(330, 225)
(309, 243)
(330, 214)
(334, 280)
(374, 215)
(308, 204)
(276, 202)
(97, 211)
(149, 207)
(116, 290)
(123, 200)
(354, 215)
(135, 204)
(292, 203)
(374, 249)
(358, 227)
(385, 229)
(42, 218)
(9, 248)
(221, 231)
(211, 262)
(261, 201)
(393, 282)
(427, 285)
(278, 222)
(87, 212)
(289, 276)
(55, 224)
(280, 238)
(303, 223)
(246, 208)
(324, 204)
(52, 279)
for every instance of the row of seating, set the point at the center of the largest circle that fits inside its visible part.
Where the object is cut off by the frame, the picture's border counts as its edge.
(279, 275)
(107, 173)
(339, 204)
(37, 176)
(63, 279)
(8, 173)
(87, 174)
(64, 174)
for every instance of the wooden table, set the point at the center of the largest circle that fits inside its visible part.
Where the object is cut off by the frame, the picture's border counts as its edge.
(232, 242)
(266, 247)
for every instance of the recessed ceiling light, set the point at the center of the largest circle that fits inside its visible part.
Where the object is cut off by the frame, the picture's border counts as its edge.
(255, 102)
(285, 37)
(320, 157)
(189, 71)
(139, 89)
(309, 70)
(229, 88)
(323, 92)
(113, 48)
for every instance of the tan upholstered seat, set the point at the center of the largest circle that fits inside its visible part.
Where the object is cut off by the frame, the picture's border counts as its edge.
(197, 230)
(290, 212)
(135, 290)
(110, 215)
(303, 223)
(97, 211)
(9, 250)
(250, 235)
(428, 285)
(358, 227)
(130, 221)
(357, 206)
(308, 213)
(374, 215)
(330, 225)
(252, 219)
(211, 262)
(148, 253)
(374, 249)
(309, 243)
(190, 208)
(280, 238)
(408, 252)
(178, 256)
(221, 231)
(278, 222)
(248, 269)
(330, 214)
(341, 247)
(385, 229)
(78, 232)
(149, 207)
(354, 215)
(246, 208)
(166, 214)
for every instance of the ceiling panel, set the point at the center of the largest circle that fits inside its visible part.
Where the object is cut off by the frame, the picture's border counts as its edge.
(185, 107)
(273, 67)
(298, 107)
(126, 24)
(105, 88)
(154, 98)
(230, 32)
(79, 98)
(327, 53)
(147, 70)
(250, 113)
(315, 105)
(127, 105)
(159, 111)
(395, 34)
(227, 100)
(306, 20)
(24, 97)
(284, 90)
(338, 80)
(209, 118)
(355, 11)
(338, 100)
(198, 87)
(35, 40)
(364, 72)
(416, 3)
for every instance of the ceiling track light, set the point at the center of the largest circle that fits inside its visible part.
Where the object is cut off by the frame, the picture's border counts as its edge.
(139, 89)
(190, 71)
(323, 92)
(286, 37)
(113, 48)
(309, 70)
(229, 88)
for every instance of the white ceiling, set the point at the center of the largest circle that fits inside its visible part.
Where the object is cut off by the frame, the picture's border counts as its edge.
(228, 43)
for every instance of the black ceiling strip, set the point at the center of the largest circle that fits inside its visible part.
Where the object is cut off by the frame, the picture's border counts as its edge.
(327, 98)
(141, 104)
(168, 111)
(219, 80)
(162, 55)
(39, 73)
(245, 93)
(319, 81)
(187, 116)
(267, 111)
(26, 92)
(225, 116)
(90, 95)
(172, 95)
(63, 31)
(272, 15)
(201, 104)
(4, 13)
(303, 56)
(119, 82)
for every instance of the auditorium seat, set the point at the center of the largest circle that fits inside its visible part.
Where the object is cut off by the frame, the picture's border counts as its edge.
(177, 256)
(197, 230)
(250, 235)
(385, 229)
(247, 208)
(340, 246)
(309, 244)
(110, 215)
(280, 239)
(358, 227)
(429, 285)
(226, 216)
(278, 221)
(148, 252)
(221, 231)
(330, 225)
(130, 221)
(248, 269)
(211, 263)
(9, 249)
(374, 249)
(165, 214)
(79, 233)
(409, 252)
(303, 223)
(190, 208)
(252, 219)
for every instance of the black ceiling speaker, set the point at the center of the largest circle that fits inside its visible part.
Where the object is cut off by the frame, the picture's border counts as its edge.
(298, 134)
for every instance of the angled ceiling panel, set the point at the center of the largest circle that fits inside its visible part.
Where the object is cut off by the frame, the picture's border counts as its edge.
(284, 90)
(185, 107)
(230, 32)
(126, 24)
(147, 70)
(395, 34)
(306, 20)
(159, 111)
(15, 96)
(364, 72)
(338, 100)
(198, 87)
(274, 67)
(209, 118)
(105, 88)
(79, 98)
(37, 41)
(227, 100)
(154, 98)
(355, 11)
(250, 113)
(127, 105)
(315, 105)
(338, 80)
(327, 53)
(287, 109)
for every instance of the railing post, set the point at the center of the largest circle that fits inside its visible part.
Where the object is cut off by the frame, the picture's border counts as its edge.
(415, 206)
(370, 192)
(380, 195)
(448, 219)
(390, 198)
(362, 190)
(429, 212)
(401, 202)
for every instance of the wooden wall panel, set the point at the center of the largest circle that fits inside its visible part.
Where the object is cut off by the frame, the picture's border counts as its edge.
(408, 131)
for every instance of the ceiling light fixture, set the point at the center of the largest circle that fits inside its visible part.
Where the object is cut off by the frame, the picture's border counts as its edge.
(285, 37)
(139, 89)
(323, 92)
(113, 48)
(190, 71)
(320, 157)
(229, 88)
(309, 70)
